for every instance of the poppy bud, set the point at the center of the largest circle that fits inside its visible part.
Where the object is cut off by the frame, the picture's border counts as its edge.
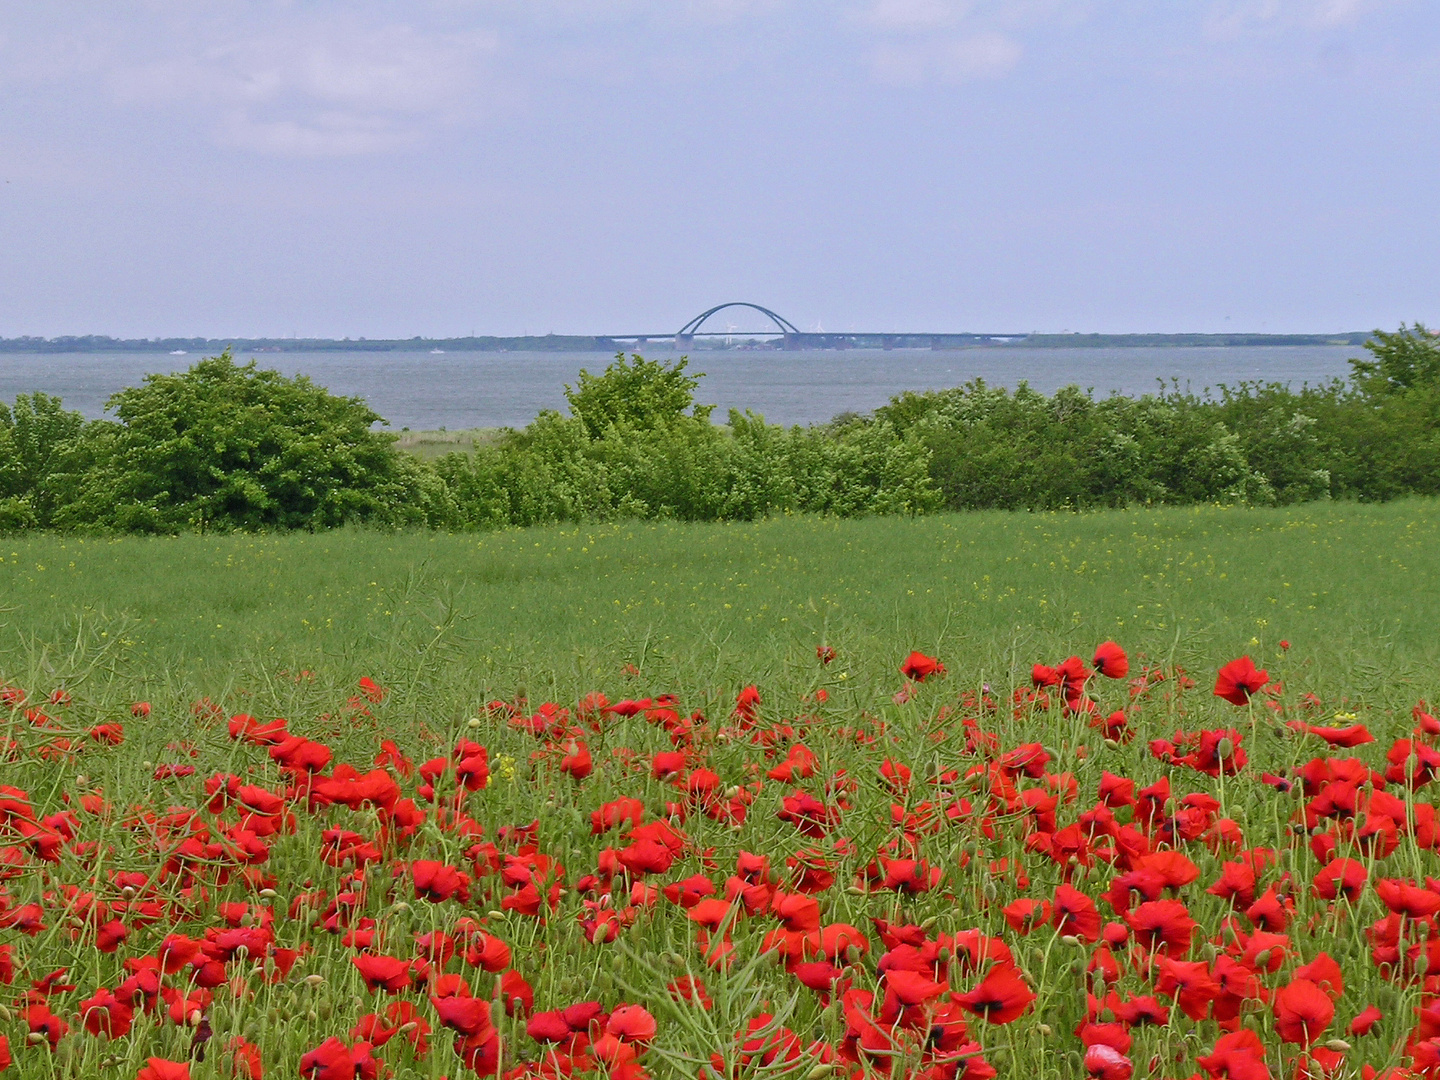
(312, 1016)
(406, 1027)
(1340, 1046)
(823, 1069)
(1224, 749)
(933, 919)
(474, 721)
(497, 1011)
(35, 1037)
(1262, 958)
(268, 894)
(82, 780)
(1070, 939)
(852, 954)
(495, 914)
(313, 980)
(1045, 1029)
(194, 1018)
(128, 892)
(5, 1014)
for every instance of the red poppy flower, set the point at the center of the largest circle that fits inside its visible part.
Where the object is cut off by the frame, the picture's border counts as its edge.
(1302, 1012)
(1239, 1055)
(373, 691)
(1107, 1063)
(1406, 898)
(920, 667)
(1075, 913)
(577, 761)
(1001, 997)
(333, 1060)
(1163, 926)
(1110, 660)
(164, 1069)
(1366, 1020)
(824, 653)
(437, 881)
(470, 1016)
(631, 1023)
(1238, 679)
(104, 1014)
(383, 972)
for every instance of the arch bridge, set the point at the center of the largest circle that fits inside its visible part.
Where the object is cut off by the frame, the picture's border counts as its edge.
(795, 338)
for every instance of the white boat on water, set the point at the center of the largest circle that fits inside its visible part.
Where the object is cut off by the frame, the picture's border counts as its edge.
(437, 352)
(178, 352)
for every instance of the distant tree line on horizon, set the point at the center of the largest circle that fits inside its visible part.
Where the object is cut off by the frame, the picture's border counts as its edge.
(226, 446)
(100, 343)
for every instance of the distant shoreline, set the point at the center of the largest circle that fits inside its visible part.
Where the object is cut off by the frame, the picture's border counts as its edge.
(576, 343)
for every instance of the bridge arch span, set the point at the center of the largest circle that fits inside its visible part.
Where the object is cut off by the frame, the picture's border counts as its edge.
(691, 328)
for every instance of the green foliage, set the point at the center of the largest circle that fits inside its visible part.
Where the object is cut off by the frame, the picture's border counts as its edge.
(227, 446)
(36, 435)
(635, 395)
(1408, 359)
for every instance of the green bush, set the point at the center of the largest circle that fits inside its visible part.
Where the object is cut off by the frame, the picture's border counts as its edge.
(228, 446)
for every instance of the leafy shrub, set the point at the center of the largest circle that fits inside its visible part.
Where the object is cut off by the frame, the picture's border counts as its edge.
(227, 446)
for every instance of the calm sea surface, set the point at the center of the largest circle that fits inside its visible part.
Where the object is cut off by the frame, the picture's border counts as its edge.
(491, 389)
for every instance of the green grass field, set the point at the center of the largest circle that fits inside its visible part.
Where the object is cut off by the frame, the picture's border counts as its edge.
(556, 612)
(446, 622)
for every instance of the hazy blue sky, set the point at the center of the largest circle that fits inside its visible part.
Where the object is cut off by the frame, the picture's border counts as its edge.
(239, 167)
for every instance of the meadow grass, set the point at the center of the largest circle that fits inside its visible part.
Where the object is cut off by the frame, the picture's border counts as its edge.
(555, 612)
(285, 625)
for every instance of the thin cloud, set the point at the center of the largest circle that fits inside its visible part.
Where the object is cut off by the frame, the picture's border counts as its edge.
(314, 89)
(1236, 18)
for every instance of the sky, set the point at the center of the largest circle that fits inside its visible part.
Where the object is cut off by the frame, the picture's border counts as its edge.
(442, 167)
